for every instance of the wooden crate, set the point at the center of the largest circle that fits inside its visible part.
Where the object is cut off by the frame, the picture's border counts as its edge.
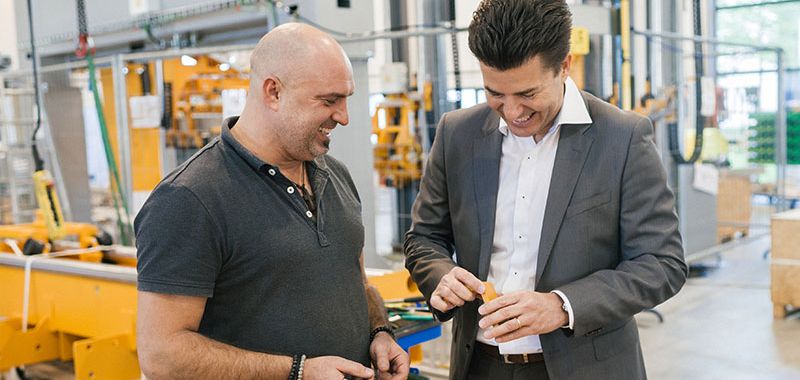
(786, 235)
(733, 205)
(785, 268)
(785, 288)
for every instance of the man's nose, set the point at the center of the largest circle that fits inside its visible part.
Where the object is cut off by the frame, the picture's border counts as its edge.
(340, 115)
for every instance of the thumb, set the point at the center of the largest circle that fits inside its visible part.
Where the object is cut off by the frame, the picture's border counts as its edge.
(349, 367)
(382, 359)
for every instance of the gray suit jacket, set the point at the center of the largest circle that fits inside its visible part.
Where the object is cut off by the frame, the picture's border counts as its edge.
(610, 237)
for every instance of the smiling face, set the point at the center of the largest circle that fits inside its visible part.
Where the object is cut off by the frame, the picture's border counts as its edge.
(311, 108)
(528, 97)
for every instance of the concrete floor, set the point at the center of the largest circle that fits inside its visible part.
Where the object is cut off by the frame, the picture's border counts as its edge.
(721, 327)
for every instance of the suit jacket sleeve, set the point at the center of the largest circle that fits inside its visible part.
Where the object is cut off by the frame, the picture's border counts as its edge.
(428, 244)
(651, 267)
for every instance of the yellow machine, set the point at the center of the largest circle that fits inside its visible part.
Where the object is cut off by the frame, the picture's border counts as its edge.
(86, 312)
(49, 232)
(398, 152)
(48, 204)
(200, 97)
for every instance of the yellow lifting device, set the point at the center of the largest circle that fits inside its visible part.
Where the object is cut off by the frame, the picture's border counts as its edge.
(398, 152)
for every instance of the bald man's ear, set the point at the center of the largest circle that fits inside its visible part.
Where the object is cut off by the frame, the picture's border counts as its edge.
(271, 91)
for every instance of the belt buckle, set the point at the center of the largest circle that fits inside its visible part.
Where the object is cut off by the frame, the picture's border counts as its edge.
(508, 361)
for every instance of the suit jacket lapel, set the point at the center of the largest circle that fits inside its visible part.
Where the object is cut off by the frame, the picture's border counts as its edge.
(573, 148)
(486, 151)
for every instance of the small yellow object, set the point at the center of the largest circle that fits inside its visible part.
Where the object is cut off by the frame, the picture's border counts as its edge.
(489, 293)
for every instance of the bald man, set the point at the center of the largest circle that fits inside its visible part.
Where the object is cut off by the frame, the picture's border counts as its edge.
(250, 253)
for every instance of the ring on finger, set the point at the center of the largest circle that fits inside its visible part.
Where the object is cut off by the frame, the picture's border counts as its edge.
(519, 324)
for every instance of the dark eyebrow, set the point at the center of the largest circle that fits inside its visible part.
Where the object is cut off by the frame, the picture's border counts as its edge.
(531, 90)
(523, 92)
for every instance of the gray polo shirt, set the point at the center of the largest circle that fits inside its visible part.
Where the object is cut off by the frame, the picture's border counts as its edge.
(224, 225)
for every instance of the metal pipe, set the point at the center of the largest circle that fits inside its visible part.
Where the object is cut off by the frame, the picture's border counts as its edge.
(625, 43)
(400, 34)
(74, 267)
(780, 136)
(160, 54)
(123, 132)
(761, 4)
(105, 61)
(676, 36)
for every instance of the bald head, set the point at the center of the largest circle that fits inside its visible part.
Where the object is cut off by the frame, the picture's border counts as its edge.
(294, 51)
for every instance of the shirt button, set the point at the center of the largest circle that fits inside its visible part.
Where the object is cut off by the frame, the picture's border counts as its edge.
(520, 236)
(529, 157)
(309, 214)
(271, 171)
(290, 189)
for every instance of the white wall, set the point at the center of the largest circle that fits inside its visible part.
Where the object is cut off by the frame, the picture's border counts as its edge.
(8, 32)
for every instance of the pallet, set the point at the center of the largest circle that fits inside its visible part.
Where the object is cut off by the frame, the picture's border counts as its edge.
(785, 288)
(782, 311)
(785, 267)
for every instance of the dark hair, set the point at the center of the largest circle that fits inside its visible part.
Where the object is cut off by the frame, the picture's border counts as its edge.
(504, 34)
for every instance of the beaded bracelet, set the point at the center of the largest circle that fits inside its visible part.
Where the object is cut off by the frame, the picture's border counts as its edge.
(297, 367)
(302, 364)
(378, 329)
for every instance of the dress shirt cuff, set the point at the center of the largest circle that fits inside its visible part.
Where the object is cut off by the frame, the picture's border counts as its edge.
(568, 306)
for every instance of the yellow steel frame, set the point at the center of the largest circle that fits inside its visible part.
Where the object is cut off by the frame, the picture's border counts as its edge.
(91, 320)
(83, 233)
(398, 153)
(88, 320)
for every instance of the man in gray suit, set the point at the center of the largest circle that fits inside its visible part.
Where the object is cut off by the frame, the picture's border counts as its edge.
(556, 198)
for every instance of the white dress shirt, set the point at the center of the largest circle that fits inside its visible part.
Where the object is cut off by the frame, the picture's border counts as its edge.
(526, 168)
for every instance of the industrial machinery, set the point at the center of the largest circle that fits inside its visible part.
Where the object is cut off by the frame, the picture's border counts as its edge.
(57, 309)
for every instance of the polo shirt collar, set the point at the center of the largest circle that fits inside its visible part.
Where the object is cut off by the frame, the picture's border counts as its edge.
(249, 157)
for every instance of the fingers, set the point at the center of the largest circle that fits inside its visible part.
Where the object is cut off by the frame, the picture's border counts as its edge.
(352, 368)
(499, 316)
(399, 364)
(456, 287)
(500, 302)
(514, 332)
(381, 359)
(516, 325)
(469, 280)
(440, 304)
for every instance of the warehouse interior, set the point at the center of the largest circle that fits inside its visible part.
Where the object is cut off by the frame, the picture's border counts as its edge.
(101, 99)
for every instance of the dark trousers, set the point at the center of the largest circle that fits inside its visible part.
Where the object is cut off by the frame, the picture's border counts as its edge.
(483, 367)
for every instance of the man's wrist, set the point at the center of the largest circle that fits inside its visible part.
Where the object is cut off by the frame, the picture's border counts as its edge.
(566, 307)
(385, 329)
(298, 362)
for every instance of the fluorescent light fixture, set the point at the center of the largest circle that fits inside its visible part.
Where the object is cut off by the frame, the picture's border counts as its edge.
(187, 60)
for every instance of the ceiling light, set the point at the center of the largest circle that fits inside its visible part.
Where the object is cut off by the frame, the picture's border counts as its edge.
(187, 60)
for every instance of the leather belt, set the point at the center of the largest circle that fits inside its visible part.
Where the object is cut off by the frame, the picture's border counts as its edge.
(494, 353)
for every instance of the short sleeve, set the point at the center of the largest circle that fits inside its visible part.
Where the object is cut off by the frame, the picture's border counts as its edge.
(179, 245)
